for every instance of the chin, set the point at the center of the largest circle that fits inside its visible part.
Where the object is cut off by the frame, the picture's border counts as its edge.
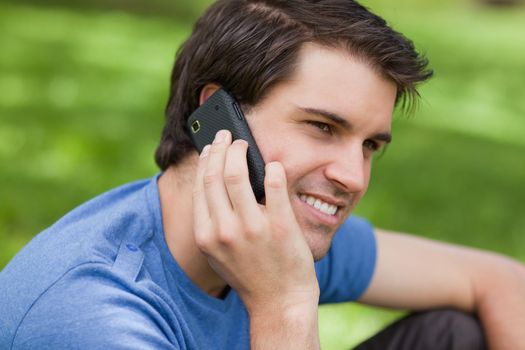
(318, 237)
(318, 255)
(319, 243)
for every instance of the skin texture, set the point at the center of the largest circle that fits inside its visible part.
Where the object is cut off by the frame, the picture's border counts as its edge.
(317, 133)
(326, 159)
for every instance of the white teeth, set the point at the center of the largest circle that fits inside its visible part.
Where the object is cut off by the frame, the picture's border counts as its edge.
(318, 204)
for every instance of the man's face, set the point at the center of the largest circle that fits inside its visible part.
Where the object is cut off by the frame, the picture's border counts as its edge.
(324, 126)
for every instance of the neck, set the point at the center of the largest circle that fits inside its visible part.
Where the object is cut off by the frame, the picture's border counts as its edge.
(175, 189)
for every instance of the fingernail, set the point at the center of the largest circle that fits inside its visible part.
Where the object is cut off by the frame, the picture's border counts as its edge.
(205, 151)
(240, 141)
(220, 136)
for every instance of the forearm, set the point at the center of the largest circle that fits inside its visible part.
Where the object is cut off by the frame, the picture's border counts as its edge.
(501, 304)
(416, 273)
(260, 251)
(285, 328)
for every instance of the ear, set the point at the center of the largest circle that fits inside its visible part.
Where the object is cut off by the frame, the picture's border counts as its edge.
(207, 91)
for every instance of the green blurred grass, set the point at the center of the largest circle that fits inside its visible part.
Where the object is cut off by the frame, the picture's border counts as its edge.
(82, 92)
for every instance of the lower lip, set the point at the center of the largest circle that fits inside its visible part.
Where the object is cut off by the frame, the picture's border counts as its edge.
(325, 219)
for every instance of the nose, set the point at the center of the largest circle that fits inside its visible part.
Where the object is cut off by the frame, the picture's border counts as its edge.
(349, 170)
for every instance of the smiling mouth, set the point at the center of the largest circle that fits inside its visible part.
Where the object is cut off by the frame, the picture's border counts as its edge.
(323, 207)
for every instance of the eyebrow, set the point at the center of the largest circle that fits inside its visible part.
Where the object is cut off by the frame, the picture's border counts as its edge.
(336, 119)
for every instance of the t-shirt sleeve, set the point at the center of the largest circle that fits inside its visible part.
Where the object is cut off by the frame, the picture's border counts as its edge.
(90, 308)
(346, 271)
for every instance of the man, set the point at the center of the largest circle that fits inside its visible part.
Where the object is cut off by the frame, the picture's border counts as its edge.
(189, 259)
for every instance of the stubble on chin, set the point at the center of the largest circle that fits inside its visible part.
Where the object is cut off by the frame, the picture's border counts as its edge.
(319, 239)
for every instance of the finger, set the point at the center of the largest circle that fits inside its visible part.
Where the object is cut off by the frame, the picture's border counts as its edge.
(277, 198)
(201, 213)
(237, 180)
(216, 195)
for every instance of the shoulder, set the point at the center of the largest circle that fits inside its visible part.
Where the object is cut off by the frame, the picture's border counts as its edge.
(86, 248)
(97, 305)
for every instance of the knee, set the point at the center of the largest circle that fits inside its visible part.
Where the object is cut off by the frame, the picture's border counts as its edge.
(442, 329)
(454, 329)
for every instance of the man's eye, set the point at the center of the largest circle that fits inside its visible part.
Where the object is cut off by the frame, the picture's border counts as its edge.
(322, 126)
(371, 145)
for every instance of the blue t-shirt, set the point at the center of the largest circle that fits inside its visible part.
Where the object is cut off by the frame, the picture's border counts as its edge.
(102, 277)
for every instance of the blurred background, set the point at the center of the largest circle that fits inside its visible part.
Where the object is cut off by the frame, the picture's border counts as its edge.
(83, 85)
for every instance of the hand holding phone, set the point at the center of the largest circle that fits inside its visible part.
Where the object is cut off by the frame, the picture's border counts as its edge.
(221, 111)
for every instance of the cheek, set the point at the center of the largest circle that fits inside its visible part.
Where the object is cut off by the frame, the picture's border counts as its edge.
(273, 147)
(263, 139)
(294, 162)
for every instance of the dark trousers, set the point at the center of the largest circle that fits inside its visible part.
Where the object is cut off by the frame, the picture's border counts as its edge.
(432, 330)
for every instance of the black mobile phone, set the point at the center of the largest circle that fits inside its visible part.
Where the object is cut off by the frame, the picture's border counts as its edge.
(221, 111)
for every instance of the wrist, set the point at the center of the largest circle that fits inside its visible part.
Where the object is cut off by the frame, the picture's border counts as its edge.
(297, 305)
(290, 326)
(282, 299)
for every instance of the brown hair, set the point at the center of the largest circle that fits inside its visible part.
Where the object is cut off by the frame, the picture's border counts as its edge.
(249, 46)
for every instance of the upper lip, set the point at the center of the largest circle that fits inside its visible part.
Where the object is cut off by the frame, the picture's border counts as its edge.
(327, 199)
